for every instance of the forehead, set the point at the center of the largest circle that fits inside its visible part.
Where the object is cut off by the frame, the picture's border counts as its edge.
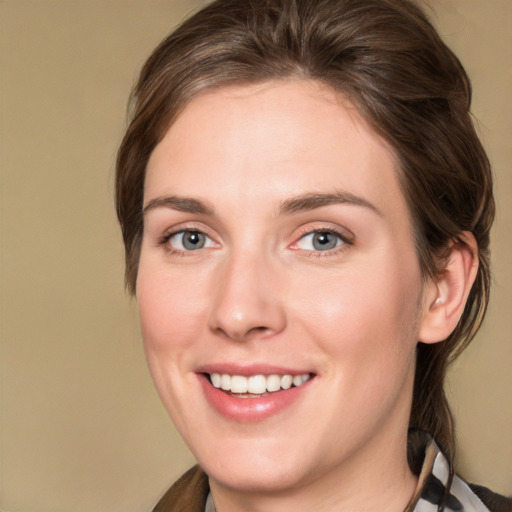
(266, 141)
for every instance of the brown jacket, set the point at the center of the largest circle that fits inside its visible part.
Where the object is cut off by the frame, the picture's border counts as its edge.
(188, 494)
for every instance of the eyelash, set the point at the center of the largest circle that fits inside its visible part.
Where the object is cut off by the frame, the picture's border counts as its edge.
(346, 242)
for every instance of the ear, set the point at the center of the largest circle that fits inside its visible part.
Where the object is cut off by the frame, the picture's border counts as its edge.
(445, 296)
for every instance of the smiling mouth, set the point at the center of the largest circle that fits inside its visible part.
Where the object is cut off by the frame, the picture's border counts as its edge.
(256, 386)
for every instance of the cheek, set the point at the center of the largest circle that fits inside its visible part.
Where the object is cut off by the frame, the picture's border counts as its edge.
(367, 316)
(169, 312)
(170, 308)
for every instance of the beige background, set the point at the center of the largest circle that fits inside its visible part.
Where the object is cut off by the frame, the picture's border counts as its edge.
(81, 428)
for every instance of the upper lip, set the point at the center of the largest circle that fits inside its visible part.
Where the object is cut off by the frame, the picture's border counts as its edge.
(252, 369)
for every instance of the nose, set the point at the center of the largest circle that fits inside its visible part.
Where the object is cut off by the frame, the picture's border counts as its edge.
(248, 301)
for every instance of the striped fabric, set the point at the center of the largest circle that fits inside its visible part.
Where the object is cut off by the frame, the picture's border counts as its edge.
(440, 490)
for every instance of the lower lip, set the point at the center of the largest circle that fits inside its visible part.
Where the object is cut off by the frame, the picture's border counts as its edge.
(250, 409)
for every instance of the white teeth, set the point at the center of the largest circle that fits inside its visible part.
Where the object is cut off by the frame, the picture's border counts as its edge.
(286, 381)
(297, 380)
(256, 384)
(216, 379)
(273, 383)
(238, 384)
(225, 382)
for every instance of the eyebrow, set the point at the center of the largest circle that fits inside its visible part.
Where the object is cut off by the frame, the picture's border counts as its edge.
(304, 202)
(311, 201)
(182, 204)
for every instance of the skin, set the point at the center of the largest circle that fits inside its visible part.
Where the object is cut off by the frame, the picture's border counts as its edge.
(260, 292)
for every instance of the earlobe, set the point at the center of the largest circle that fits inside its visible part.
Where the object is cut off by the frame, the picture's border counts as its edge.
(446, 295)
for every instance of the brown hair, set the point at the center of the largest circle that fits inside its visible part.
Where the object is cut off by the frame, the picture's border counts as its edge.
(387, 58)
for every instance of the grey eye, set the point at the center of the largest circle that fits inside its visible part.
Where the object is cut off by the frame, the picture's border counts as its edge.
(190, 241)
(325, 241)
(193, 240)
(320, 241)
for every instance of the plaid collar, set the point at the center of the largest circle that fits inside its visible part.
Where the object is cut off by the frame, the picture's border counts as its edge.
(438, 489)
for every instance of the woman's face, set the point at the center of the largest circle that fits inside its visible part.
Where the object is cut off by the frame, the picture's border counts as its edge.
(278, 247)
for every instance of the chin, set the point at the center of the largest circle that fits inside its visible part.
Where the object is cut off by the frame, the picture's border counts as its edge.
(265, 466)
(256, 476)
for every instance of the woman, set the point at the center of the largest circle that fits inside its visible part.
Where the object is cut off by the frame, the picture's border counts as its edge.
(306, 209)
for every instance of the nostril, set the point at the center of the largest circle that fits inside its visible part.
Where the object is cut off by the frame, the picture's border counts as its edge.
(258, 331)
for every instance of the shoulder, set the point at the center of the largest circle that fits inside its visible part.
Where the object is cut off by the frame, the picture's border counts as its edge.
(439, 488)
(493, 501)
(188, 494)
